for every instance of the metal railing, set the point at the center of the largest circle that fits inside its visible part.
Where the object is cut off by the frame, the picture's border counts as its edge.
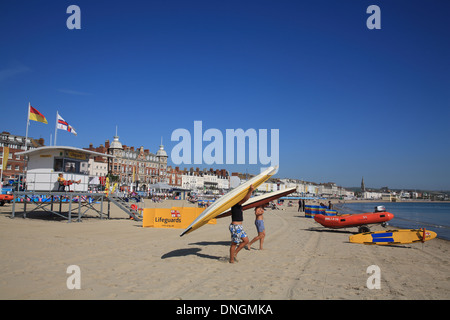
(48, 181)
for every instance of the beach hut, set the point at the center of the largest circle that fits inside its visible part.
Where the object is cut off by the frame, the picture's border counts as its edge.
(46, 163)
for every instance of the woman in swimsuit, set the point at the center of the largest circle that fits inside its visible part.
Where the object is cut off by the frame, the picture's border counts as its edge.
(259, 223)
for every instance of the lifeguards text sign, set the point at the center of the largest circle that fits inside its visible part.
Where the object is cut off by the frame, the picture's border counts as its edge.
(174, 218)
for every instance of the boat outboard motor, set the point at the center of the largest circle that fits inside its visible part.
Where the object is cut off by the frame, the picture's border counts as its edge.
(380, 209)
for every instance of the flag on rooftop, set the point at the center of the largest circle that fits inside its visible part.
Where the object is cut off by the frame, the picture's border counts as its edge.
(35, 115)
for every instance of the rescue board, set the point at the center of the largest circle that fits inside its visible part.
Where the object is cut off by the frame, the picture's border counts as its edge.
(229, 200)
(260, 200)
(402, 236)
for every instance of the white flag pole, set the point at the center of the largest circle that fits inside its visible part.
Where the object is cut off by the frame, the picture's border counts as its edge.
(1, 173)
(28, 123)
(56, 126)
(26, 143)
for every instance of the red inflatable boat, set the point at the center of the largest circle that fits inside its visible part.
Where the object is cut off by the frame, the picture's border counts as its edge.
(355, 220)
(5, 198)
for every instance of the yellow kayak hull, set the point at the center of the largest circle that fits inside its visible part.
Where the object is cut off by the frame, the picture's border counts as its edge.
(230, 199)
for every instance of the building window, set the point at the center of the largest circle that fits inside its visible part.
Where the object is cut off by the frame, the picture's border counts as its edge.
(70, 166)
(58, 165)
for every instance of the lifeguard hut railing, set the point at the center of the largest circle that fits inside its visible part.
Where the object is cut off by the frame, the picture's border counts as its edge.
(48, 181)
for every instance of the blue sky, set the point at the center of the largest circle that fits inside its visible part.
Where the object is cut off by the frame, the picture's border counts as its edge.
(348, 101)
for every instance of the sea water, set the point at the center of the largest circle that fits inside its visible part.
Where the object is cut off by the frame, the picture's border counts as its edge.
(434, 216)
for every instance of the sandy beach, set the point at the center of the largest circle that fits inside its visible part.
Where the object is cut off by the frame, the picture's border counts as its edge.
(119, 259)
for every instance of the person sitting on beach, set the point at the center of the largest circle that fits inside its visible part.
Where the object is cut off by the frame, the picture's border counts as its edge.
(239, 238)
(63, 182)
(259, 223)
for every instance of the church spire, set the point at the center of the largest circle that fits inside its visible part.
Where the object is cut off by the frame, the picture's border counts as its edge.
(363, 187)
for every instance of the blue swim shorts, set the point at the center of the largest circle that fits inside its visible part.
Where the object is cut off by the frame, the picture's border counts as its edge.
(237, 233)
(260, 225)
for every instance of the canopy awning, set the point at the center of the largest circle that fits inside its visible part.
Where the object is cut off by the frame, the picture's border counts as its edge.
(49, 148)
(160, 186)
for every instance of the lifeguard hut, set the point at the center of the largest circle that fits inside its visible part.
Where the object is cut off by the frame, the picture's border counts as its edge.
(44, 166)
(46, 163)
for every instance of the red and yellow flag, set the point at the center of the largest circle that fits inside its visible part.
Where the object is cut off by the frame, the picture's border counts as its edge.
(36, 115)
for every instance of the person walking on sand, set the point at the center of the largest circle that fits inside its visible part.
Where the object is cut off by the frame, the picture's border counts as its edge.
(259, 223)
(238, 236)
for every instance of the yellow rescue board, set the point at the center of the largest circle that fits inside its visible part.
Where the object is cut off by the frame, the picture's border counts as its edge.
(229, 200)
(389, 237)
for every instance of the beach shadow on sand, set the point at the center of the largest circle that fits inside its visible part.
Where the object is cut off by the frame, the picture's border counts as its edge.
(318, 229)
(187, 252)
(211, 243)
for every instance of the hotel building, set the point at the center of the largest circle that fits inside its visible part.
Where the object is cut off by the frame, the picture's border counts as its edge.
(15, 163)
(134, 166)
